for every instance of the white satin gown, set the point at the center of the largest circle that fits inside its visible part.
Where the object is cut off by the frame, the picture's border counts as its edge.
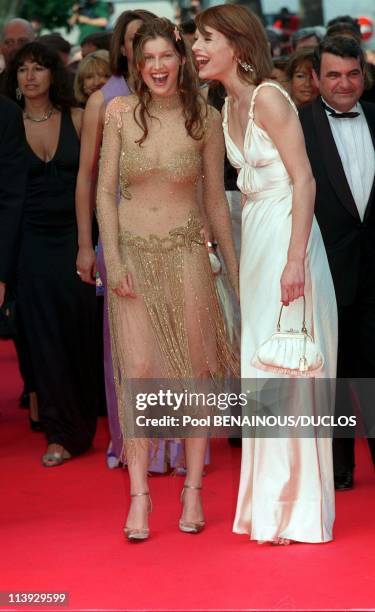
(286, 485)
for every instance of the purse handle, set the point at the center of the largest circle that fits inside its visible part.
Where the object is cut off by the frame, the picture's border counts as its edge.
(304, 328)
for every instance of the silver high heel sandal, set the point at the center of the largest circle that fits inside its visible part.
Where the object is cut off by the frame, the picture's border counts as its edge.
(138, 535)
(187, 526)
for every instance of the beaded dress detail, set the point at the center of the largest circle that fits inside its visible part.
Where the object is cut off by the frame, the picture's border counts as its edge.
(174, 328)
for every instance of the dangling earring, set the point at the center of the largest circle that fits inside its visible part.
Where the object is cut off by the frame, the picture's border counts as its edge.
(246, 67)
(18, 94)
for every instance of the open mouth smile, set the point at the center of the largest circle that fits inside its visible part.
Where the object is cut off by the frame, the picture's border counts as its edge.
(201, 61)
(160, 78)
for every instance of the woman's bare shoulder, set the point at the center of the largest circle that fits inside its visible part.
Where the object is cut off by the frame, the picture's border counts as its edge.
(95, 101)
(122, 104)
(271, 96)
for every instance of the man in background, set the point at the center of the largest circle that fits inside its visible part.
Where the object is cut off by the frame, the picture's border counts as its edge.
(16, 33)
(340, 136)
(307, 37)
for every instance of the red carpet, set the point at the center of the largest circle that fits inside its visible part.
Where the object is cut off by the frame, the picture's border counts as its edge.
(61, 531)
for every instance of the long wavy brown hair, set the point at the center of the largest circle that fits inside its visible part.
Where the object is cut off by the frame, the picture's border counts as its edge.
(193, 104)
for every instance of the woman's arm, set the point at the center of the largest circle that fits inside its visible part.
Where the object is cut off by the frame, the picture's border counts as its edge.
(91, 138)
(278, 118)
(214, 197)
(118, 278)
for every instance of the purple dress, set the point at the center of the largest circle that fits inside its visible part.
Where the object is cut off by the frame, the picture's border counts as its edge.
(115, 86)
(168, 452)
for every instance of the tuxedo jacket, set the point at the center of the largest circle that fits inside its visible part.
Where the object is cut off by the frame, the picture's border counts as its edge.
(13, 176)
(349, 242)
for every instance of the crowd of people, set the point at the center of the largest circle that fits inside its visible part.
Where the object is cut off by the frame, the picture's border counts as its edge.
(117, 204)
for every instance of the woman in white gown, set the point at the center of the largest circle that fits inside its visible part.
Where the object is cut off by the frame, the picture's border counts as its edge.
(286, 490)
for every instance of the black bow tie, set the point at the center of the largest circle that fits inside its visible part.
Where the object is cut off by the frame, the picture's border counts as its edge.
(332, 113)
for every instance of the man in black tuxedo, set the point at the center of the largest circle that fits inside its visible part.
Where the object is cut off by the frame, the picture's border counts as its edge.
(13, 173)
(340, 139)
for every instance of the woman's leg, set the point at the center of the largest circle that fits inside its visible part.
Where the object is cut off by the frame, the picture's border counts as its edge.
(195, 449)
(137, 467)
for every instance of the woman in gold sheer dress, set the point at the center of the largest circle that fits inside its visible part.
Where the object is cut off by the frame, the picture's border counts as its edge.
(165, 319)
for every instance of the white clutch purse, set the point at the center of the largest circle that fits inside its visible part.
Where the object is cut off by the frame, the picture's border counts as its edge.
(290, 352)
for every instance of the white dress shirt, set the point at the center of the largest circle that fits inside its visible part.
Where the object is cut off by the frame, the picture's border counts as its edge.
(355, 147)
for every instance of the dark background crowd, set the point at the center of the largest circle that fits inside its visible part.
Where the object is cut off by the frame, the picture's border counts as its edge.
(291, 41)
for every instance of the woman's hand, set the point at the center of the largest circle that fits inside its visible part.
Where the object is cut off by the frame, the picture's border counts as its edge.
(125, 287)
(292, 281)
(86, 264)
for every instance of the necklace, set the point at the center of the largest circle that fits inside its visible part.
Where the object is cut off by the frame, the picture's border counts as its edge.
(165, 103)
(44, 117)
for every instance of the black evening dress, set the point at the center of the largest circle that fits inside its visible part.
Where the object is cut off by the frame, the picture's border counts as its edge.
(57, 309)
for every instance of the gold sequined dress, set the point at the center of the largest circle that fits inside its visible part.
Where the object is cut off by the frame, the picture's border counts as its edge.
(173, 328)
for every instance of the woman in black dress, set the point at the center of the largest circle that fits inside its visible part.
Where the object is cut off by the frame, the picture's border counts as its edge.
(58, 311)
